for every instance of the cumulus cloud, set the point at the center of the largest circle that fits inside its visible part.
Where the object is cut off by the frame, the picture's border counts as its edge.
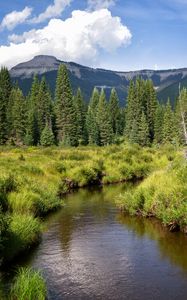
(79, 38)
(98, 4)
(15, 18)
(51, 11)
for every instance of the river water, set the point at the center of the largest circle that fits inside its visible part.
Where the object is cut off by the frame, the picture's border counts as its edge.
(90, 250)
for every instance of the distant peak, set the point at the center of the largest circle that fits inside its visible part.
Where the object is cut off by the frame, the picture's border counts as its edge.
(40, 57)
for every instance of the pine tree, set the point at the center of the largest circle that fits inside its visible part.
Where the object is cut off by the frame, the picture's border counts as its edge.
(65, 110)
(143, 138)
(43, 105)
(32, 134)
(150, 103)
(91, 120)
(159, 119)
(168, 124)
(80, 117)
(103, 121)
(47, 136)
(114, 111)
(5, 90)
(32, 128)
(3, 120)
(133, 111)
(18, 112)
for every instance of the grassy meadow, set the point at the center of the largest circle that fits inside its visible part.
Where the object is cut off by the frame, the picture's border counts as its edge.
(34, 180)
(162, 195)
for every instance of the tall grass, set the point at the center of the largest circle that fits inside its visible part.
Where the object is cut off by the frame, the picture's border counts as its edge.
(163, 195)
(28, 285)
(32, 180)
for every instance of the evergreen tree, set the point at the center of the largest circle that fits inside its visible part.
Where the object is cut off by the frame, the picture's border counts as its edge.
(168, 124)
(159, 118)
(43, 105)
(32, 134)
(151, 103)
(114, 111)
(143, 138)
(80, 117)
(5, 90)
(3, 119)
(18, 112)
(47, 136)
(32, 128)
(133, 111)
(65, 110)
(91, 120)
(103, 121)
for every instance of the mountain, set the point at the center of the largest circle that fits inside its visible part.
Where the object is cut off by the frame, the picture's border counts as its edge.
(166, 82)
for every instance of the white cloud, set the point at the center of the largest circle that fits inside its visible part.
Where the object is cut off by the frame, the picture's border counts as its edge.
(52, 11)
(98, 4)
(14, 18)
(79, 38)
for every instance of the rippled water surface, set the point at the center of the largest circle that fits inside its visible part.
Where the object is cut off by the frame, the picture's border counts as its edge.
(92, 251)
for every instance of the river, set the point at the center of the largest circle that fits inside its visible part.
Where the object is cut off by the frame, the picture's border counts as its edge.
(90, 250)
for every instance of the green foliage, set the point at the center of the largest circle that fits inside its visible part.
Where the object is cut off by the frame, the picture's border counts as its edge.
(47, 137)
(168, 125)
(24, 230)
(28, 285)
(91, 121)
(80, 118)
(65, 110)
(163, 195)
(103, 121)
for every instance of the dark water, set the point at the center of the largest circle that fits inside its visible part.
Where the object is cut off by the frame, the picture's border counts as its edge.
(92, 251)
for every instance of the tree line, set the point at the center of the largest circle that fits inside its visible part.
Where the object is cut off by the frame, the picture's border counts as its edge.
(38, 119)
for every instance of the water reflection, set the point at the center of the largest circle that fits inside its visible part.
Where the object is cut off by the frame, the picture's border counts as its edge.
(92, 251)
(172, 246)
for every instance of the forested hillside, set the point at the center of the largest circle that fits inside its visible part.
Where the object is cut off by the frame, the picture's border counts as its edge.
(66, 119)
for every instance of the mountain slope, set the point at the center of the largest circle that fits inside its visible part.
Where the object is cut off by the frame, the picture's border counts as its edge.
(166, 82)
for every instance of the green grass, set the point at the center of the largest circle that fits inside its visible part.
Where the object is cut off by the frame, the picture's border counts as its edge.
(32, 180)
(23, 232)
(28, 285)
(162, 195)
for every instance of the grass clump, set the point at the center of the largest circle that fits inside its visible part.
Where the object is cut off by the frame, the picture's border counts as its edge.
(23, 232)
(163, 195)
(28, 285)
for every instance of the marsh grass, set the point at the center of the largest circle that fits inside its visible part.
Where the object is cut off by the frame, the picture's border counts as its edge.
(163, 195)
(32, 180)
(28, 285)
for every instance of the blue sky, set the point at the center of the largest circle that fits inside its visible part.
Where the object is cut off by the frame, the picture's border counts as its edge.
(112, 34)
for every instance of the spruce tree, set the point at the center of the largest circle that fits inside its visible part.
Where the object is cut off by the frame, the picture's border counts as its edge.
(150, 104)
(133, 111)
(47, 137)
(91, 120)
(32, 128)
(5, 90)
(168, 124)
(3, 119)
(114, 111)
(158, 124)
(43, 105)
(143, 138)
(18, 113)
(65, 110)
(103, 121)
(80, 117)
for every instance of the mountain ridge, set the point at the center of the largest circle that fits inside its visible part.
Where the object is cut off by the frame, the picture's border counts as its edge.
(87, 77)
